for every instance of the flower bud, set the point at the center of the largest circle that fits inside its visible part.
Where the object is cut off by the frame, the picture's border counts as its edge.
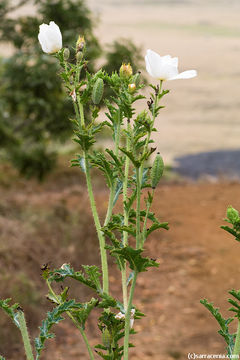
(79, 56)
(97, 92)
(66, 54)
(157, 170)
(233, 215)
(106, 337)
(125, 71)
(80, 44)
(131, 88)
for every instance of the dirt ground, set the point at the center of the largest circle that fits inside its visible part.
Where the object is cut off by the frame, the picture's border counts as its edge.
(197, 260)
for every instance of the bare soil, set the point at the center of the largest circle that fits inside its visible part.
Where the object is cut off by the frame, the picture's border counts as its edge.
(197, 260)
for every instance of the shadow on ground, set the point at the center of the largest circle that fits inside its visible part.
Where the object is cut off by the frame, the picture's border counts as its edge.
(216, 164)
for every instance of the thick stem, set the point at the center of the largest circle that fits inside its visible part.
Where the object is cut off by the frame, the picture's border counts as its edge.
(25, 336)
(126, 215)
(98, 227)
(127, 318)
(101, 238)
(113, 188)
(236, 350)
(138, 224)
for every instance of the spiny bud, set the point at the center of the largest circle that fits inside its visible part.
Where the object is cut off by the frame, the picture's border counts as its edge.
(157, 170)
(131, 88)
(66, 54)
(125, 71)
(97, 92)
(106, 337)
(233, 215)
(80, 44)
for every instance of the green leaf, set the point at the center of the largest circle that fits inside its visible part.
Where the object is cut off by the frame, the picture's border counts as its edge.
(94, 275)
(224, 331)
(133, 256)
(156, 226)
(131, 156)
(80, 161)
(231, 231)
(10, 310)
(53, 317)
(81, 314)
(91, 280)
(118, 191)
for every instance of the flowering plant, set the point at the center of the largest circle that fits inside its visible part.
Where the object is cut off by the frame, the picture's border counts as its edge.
(129, 177)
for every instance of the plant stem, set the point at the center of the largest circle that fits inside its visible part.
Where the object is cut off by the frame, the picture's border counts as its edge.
(144, 230)
(98, 227)
(127, 317)
(236, 350)
(83, 335)
(138, 225)
(125, 214)
(25, 335)
(94, 211)
(58, 301)
(113, 187)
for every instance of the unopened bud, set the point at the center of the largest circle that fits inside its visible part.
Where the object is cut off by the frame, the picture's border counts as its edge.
(79, 56)
(157, 170)
(131, 88)
(126, 70)
(97, 92)
(233, 215)
(66, 54)
(80, 44)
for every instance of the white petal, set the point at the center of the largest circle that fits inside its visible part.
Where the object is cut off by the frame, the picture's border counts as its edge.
(185, 75)
(153, 64)
(50, 37)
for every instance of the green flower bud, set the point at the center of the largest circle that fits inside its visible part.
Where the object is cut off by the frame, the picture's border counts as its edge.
(125, 71)
(66, 54)
(97, 92)
(79, 56)
(232, 215)
(106, 337)
(157, 170)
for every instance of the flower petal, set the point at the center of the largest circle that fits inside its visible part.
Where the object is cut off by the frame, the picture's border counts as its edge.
(185, 75)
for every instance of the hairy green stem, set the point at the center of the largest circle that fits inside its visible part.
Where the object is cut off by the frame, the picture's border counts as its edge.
(58, 301)
(127, 317)
(138, 224)
(25, 335)
(90, 352)
(126, 215)
(101, 237)
(236, 350)
(113, 187)
(144, 230)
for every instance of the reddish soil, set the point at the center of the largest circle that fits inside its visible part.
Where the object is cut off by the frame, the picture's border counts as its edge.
(197, 260)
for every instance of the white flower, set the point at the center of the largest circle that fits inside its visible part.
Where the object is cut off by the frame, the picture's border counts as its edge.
(165, 67)
(50, 37)
(119, 316)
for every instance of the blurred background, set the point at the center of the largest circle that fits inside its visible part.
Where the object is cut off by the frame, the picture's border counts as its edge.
(43, 211)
